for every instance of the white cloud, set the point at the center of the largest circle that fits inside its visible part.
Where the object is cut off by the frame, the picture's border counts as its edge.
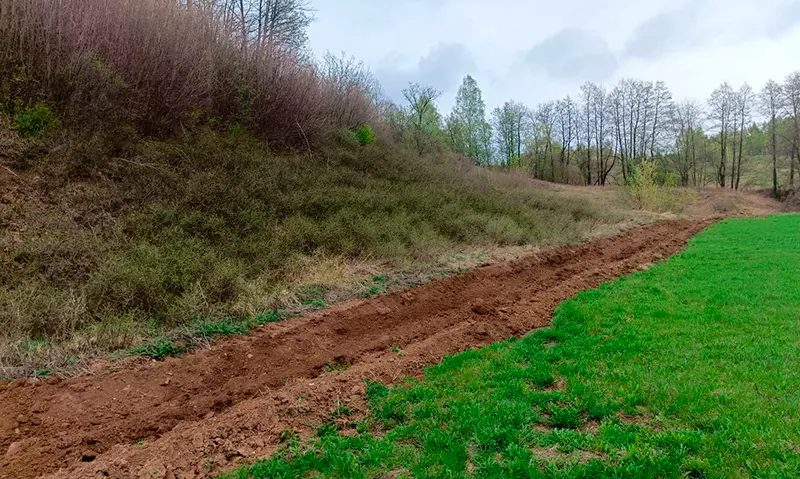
(534, 51)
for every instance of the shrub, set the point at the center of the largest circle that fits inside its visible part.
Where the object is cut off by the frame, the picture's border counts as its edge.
(649, 192)
(366, 135)
(35, 121)
(349, 138)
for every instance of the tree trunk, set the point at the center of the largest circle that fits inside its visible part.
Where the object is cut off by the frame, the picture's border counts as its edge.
(774, 157)
(741, 153)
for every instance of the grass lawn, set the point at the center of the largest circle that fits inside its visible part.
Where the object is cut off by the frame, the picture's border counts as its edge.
(688, 369)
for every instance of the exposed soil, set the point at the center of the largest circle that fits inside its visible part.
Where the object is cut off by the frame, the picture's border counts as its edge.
(190, 417)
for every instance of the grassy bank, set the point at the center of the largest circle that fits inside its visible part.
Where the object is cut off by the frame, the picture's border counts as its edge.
(108, 241)
(689, 369)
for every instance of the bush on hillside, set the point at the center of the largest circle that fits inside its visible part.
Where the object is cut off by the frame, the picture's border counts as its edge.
(35, 121)
(648, 190)
(366, 135)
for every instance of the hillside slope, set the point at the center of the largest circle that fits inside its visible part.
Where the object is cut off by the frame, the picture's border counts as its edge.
(108, 242)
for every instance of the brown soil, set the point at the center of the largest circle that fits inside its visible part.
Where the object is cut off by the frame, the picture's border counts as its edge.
(188, 417)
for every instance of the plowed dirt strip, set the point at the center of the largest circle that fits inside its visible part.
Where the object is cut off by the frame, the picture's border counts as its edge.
(188, 417)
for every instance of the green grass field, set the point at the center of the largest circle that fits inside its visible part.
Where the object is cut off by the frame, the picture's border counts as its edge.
(689, 369)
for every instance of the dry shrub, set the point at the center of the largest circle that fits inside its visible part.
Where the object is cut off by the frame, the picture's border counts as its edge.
(160, 66)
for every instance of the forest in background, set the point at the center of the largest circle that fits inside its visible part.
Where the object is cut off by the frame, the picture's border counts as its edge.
(158, 66)
(601, 136)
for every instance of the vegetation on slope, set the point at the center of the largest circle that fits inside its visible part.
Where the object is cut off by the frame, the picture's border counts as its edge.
(688, 369)
(105, 248)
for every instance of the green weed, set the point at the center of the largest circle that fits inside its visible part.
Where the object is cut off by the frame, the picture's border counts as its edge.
(336, 366)
(158, 349)
(365, 135)
(316, 303)
(164, 347)
(377, 288)
(35, 121)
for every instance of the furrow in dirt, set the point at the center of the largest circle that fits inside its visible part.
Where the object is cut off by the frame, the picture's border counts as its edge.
(188, 417)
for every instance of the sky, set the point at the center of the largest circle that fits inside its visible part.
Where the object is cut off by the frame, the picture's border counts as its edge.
(533, 51)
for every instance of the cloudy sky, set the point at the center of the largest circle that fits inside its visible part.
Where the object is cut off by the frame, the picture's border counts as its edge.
(535, 50)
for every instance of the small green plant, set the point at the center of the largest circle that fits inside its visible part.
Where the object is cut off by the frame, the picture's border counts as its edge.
(377, 288)
(316, 303)
(158, 349)
(327, 429)
(139, 443)
(164, 347)
(365, 135)
(234, 129)
(288, 435)
(376, 390)
(271, 316)
(335, 366)
(35, 121)
(340, 411)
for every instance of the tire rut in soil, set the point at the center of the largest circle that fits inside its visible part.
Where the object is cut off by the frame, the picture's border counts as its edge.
(173, 419)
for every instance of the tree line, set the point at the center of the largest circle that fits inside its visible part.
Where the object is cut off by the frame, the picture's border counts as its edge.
(601, 134)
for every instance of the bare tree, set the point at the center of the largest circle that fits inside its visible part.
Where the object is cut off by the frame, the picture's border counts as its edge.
(687, 120)
(628, 106)
(567, 115)
(588, 92)
(544, 119)
(423, 118)
(791, 90)
(742, 115)
(512, 125)
(348, 81)
(771, 104)
(605, 155)
(279, 25)
(662, 106)
(721, 104)
(503, 122)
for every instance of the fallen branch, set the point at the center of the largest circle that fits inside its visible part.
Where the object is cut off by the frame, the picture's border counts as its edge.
(9, 170)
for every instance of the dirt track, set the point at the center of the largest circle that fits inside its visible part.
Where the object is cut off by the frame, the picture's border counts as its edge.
(183, 418)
